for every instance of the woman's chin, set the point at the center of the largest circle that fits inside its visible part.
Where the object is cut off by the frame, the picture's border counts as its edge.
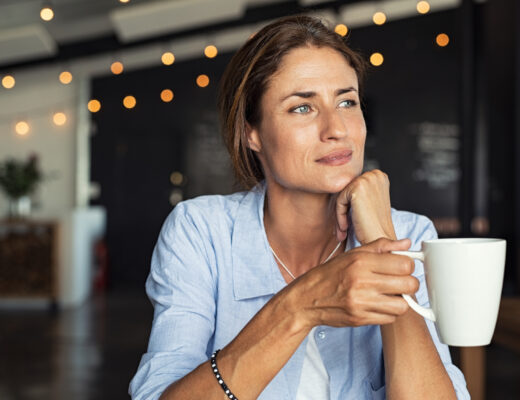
(338, 184)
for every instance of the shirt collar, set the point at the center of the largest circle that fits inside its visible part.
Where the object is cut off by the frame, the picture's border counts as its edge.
(254, 270)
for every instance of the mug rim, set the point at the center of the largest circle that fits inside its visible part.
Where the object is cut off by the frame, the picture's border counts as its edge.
(465, 241)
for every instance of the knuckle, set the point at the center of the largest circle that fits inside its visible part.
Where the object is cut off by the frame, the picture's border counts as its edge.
(382, 241)
(354, 282)
(357, 260)
(359, 186)
(356, 320)
(352, 304)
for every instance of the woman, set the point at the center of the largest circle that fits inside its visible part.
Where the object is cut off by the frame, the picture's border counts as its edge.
(293, 280)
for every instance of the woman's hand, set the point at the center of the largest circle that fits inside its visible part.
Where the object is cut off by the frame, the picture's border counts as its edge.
(369, 197)
(360, 287)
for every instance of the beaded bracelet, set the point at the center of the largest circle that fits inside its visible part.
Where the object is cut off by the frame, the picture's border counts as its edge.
(219, 378)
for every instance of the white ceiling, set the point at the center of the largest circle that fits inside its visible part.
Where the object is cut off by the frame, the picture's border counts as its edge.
(25, 37)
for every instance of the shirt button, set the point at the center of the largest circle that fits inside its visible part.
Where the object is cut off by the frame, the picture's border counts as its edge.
(322, 334)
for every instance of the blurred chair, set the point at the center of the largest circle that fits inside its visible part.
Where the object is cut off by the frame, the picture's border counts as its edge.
(507, 334)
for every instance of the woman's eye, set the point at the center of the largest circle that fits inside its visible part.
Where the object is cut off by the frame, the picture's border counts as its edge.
(303, 109)
(348, 103)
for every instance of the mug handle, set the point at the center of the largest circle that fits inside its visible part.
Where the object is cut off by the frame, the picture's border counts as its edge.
(423, 311)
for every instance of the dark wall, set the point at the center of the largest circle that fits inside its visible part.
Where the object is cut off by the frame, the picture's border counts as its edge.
(134, 152)
(502, 61)
(412, 111)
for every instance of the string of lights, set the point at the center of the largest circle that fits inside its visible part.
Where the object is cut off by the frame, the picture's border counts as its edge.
(65, 77)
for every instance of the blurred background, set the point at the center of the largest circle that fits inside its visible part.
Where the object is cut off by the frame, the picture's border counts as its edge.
(108, 119)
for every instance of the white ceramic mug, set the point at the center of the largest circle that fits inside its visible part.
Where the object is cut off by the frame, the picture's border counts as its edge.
(464, 279)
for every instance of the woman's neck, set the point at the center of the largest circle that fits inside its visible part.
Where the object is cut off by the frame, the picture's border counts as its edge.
(299, 226)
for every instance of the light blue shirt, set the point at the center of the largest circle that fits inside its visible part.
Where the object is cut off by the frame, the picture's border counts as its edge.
(212, 271)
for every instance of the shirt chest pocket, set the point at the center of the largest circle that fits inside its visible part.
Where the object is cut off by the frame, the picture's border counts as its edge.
(375, 388)
(379, 394)
(374, 383)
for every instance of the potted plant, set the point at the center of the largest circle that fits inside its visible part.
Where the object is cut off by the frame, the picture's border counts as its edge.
(18, 180)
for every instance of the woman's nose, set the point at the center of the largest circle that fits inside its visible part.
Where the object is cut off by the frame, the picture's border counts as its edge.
(333, 125)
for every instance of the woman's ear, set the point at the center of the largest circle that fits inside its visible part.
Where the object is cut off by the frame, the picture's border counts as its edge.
(253, 138)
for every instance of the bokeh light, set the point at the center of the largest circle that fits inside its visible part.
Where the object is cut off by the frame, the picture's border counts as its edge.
(379, 18)
(168, 58)
(166, 95)
(65, 77)
(8, 81)
(94, 105)
(176, 178)
(210, 51)
(341, 29)
(442, 40)
(202, 80)
(22, 128)
(376, 59)
(117, 67)
(46, 13)
(423, 7)
(129, 102)
(59, 119)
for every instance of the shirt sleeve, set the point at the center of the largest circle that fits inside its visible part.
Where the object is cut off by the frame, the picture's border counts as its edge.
(424, 230)
(181, 287)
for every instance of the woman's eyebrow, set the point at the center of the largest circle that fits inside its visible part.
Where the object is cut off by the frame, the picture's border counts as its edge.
(309, 94)
(304, 95)
(339, 92)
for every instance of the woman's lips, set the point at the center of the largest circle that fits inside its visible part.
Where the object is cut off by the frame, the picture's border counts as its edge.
(336, 158)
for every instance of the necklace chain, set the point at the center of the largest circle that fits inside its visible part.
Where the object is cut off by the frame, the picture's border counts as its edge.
(287, 269)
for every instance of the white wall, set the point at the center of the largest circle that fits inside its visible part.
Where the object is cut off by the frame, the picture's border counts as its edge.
(63, 156)
(37, 95)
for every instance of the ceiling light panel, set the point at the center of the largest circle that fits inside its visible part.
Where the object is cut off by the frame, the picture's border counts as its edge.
(157, 18)
(25, 43)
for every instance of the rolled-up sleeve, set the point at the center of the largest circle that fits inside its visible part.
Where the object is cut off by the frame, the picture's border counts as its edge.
(424, 230)
(181, 286)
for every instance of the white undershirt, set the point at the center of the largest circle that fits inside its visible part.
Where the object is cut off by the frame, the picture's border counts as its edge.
(314, 380)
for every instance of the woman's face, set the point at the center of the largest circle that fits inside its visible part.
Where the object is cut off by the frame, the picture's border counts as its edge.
(312, 133)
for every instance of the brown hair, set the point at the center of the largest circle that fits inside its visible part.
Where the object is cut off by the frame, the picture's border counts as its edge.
(247, 74)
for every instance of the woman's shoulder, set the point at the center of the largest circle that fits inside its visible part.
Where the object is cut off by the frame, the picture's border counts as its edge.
(414, 226)
(207, 211)
(213, 202)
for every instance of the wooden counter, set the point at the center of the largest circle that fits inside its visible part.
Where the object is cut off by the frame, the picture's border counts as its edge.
(28, 259)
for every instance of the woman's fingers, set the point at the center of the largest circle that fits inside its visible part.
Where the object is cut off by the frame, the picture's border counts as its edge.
(363, 286)
(384, 245)
(389, 305)
(395, 285)
(369, 197)
(374, 260)
(342, 206)
(392, 264)
(373, 318)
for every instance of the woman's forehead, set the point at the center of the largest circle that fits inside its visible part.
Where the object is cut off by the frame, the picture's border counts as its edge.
(308, 68)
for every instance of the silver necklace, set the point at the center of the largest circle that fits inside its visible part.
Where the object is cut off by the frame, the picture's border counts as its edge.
(287, 269)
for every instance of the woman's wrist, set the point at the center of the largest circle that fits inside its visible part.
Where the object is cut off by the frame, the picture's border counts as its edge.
(290, 305)
(387, 233)
(262, 348)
